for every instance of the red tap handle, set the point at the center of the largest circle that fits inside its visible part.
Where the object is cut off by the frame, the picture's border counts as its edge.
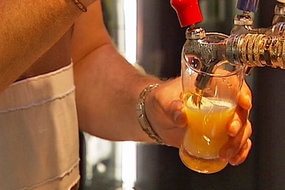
(188, 11)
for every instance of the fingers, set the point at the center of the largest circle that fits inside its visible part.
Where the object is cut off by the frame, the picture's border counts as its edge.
(237, 148)
(242, 154)
(245, 97)
(239, 130)
(240, 117)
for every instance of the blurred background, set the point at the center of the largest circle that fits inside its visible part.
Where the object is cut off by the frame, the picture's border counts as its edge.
(147, 32)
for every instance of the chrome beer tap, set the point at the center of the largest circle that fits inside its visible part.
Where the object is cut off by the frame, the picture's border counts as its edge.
(259, 47)
(243, 22)
(201, 50)
(196, 51)
(246, 45)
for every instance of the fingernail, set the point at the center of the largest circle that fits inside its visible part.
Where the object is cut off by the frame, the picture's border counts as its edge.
(235, 126)
(180, 118)
(177, 116)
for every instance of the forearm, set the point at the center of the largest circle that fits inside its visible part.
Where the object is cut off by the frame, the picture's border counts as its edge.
(27, 30)
(108, 88)
(107, 93)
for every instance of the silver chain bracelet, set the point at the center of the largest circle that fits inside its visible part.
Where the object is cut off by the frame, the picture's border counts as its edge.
(141, 113)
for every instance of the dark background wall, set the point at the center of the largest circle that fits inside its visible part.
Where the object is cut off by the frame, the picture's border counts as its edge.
(159, 167)
(268, 117)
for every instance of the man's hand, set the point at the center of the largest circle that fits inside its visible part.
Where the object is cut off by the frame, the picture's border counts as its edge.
(169, 121)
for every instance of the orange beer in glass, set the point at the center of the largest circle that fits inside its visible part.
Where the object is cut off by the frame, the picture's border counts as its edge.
(207, 119)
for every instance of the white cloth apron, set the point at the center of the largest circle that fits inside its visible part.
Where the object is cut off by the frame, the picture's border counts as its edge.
(39, 146)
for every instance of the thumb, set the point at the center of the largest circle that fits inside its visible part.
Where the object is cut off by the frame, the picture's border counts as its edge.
(178, 115)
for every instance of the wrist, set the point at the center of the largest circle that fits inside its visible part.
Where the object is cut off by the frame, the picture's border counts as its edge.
(142, 117)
